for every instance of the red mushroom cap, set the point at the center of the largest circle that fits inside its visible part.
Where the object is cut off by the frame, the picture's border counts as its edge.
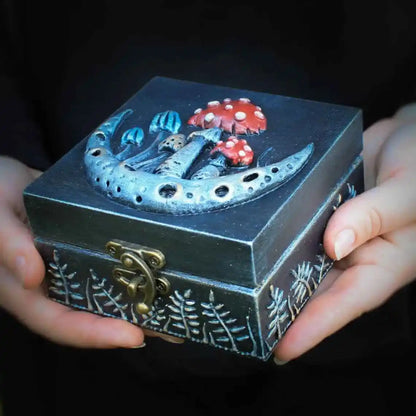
(233, 116)
(237, 151)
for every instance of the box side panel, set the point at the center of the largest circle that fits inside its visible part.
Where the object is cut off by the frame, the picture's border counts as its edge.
(310, 195)
(186, 251)
(301, 269)
(218, 315)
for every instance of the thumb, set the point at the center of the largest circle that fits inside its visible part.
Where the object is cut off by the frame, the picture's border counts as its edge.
(377, 211)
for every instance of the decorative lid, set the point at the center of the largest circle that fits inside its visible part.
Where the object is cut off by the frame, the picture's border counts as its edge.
(222, 190)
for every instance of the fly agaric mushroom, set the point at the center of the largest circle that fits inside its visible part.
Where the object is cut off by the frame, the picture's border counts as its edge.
(233, 152)
(233, 116)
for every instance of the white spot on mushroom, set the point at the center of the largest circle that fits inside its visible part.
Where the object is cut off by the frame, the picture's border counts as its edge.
(227, 100)
(219, 142)
(209, 117)
(240, 115)
(241, 153)
(234, 139)
(259, 114)
(258, 108)
(245, 100)
(228, 107)
(229, 144)
(247, 148)
(213, 103)
(198, 110)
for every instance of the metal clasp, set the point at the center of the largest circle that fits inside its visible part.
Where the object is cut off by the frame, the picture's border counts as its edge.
(139, 264)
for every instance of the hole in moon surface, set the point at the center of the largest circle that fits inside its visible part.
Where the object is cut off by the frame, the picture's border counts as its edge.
(289, 166)
(275, 170)
(250, 177)
(107, 183)
(222, 191)
(100, 135)
(189, 195)
(167, 191)
(97, 179)
(118, 189)
(267, 178)
(139, 199)
(95, 152)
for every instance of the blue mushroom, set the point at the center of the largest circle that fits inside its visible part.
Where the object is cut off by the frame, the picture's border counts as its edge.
(134, 135)
(166, 121)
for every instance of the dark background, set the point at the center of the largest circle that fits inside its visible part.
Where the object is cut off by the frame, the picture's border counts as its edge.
(66, 65)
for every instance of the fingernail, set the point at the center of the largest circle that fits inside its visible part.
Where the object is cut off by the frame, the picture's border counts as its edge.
(344, 243)
(172, 340)
(136, 347)
(20, 264)
(279, 362)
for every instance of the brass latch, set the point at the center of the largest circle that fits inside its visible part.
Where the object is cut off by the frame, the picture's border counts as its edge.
(139, 264)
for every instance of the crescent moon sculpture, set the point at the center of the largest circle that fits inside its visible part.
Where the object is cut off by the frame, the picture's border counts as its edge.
(173, 194)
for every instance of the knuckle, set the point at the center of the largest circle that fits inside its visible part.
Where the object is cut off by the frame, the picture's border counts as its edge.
(379, 129)
(406, 112)
(375, 222)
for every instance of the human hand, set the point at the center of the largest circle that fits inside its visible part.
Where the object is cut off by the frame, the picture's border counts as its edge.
(372, 235)
(22, 271)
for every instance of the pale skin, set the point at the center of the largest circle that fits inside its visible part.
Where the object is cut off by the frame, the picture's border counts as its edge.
(376, 253)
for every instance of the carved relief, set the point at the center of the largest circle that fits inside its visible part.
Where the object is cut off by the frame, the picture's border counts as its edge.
(163, 178)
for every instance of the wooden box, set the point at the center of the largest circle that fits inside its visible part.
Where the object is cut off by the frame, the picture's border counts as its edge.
(198, 211)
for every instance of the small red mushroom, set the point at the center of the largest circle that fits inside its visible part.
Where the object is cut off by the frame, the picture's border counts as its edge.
(232, 152)
(237, 151)
(233, 116)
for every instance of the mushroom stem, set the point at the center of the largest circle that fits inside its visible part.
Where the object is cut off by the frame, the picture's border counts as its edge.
(142, 156)
(127, 151)
(216, 167)
(232, 153)
(180, 162)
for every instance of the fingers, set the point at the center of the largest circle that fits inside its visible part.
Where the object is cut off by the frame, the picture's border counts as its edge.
(388, 206)
(67, 326)
(398, 254)
(406, 113)
(375, 272)
(374, 234)
(357, 291)
(17, 251)
(377, 211)
(64, 325)
(349, 297)
(15, 176)
(373, 139)
(397, 156)
(387, 130)
(21, 260)
(165, 337)
(35, 173)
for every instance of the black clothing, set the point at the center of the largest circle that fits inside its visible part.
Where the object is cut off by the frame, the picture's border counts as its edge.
(67, 65)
